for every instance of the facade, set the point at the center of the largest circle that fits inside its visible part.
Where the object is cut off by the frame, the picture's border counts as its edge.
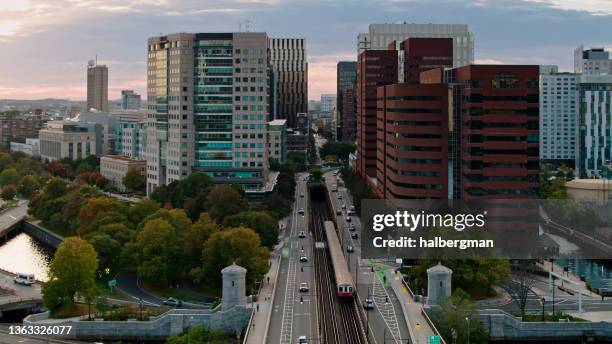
(130, 135)
(328, 103)
(16, 127)
(130, 100)
(346, 78)
(115, 167)
(592, 61)
(374, 68)
(379, 36)
(495, 154)
(296, 141)
(72, 140)
(107, 122)
(303, 123)
(290, 78)
(558, 116)
(97, 87)
(349, 116)
(208, 107)
(277, 140)
(594, 127)
(30, 148)
(416, 55)
(412, 141)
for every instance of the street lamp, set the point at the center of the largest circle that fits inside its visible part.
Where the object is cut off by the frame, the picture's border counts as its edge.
(543, 303)
(468, 329)
(140, 303)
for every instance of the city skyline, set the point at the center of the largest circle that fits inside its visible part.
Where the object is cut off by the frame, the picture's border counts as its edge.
(67, 34)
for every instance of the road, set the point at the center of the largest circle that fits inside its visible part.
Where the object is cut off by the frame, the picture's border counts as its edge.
(294, 314)
(386, 319)
(13, 215)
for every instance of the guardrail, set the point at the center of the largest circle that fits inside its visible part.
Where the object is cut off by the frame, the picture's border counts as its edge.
(433, 327)
(407, 288)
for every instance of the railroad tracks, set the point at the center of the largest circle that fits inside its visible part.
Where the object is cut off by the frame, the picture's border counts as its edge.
(339, 320)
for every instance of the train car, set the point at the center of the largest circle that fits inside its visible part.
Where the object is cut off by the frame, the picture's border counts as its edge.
(344, 281)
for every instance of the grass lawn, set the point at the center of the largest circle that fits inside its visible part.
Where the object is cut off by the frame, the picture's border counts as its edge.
(74, 310)
(105, 290)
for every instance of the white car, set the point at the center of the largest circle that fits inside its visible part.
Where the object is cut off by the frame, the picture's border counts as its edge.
(301, 211)
(339, 196)
(302, 340)
(25, 279)
(348, 219)
(303, 259)
(302, 195)
(302, 234)
(303, 287)
(349, 248)
(343, 206)
(368, 303)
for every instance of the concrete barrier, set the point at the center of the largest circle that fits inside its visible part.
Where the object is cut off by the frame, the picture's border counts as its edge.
(42, 234)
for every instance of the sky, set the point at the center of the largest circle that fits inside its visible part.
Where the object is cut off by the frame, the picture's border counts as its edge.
(45, 44)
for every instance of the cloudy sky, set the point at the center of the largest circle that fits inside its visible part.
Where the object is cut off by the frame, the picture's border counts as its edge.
(45, 44)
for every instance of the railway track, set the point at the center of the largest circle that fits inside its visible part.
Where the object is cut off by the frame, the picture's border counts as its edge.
(339, 320)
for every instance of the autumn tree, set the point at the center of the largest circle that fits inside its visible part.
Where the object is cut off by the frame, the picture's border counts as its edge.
(27, 186)
(260, 221)
(8, 192)
(72, 271)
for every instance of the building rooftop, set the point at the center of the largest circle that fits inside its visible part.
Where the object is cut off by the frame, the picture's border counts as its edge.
(278, 122)
(122, 158)
(589, 184)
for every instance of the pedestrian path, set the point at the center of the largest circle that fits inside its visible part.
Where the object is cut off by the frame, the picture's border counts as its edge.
(419, 328)
(575, 286)
(260, 322)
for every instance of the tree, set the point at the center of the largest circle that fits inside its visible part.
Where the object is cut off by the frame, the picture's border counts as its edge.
(261, 222)
(55, 188)
(9, 192)
(84, 167)
(27, 186)
(239, 245)
(134, 180)
(316, 174)
(195, 186)
(58, 169)
(522, 282)
(72, 271)
(108, 250)
(157, 253)
(224, 201)
(341, 150)
(99, 211)
(199, 335)
(9, 176)
(141, 210)
(193, 240)
(456, 317)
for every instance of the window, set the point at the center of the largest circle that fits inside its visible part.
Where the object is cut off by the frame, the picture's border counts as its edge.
(505, 80)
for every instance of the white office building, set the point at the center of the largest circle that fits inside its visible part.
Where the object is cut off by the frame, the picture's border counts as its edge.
(379, 36)
(558, 115)
(594, 61)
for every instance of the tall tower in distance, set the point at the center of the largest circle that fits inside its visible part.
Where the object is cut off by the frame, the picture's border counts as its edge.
(97, 86)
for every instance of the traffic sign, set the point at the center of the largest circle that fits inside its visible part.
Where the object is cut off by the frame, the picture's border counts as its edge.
(434, 339)
(112, 283)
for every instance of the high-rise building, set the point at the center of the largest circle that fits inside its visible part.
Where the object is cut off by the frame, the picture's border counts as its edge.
(208, 108)
(495, 152)
(130, 100)
(463, 133)
(558, 116)
(328, 103)
(19, 127)
(412, 141)
(346, 78)
(290, 78)
(97, 87)
(374, 68)
(349, 116)
(379, 36)
(416, 55)
(277, 140)
(594, 61)
(594, 155)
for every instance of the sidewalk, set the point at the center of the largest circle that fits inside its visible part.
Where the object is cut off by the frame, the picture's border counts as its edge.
(575, 287)
(419, 328)
(260, 322)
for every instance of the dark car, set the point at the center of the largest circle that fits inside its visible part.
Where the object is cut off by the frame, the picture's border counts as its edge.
(172, 302)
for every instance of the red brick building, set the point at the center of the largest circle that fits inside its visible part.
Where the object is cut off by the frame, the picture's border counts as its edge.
(420, 54)
(412, 141)
(349, 115)
(374, 68)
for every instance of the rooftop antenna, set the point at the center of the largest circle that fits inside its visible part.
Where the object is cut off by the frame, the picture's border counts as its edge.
(248, 23)
(96, 59)
(240, 27)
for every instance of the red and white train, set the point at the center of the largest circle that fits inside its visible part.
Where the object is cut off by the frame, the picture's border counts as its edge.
(344, 281)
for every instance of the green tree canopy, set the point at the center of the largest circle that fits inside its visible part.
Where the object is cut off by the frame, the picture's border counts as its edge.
(141, 210)
(27, 186)
(9, 176)
(134, 180)
(224, 201)
(341, 150)
(72, 271)
(260, 221)
(108, 249)
(199, 335)
(456, 317)
(9, 192)
(240, 245)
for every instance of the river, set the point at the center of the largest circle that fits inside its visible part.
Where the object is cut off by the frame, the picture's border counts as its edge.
(23, 253)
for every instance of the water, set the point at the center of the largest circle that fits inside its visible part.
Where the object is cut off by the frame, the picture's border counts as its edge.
(598, 273)
(24, 254)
